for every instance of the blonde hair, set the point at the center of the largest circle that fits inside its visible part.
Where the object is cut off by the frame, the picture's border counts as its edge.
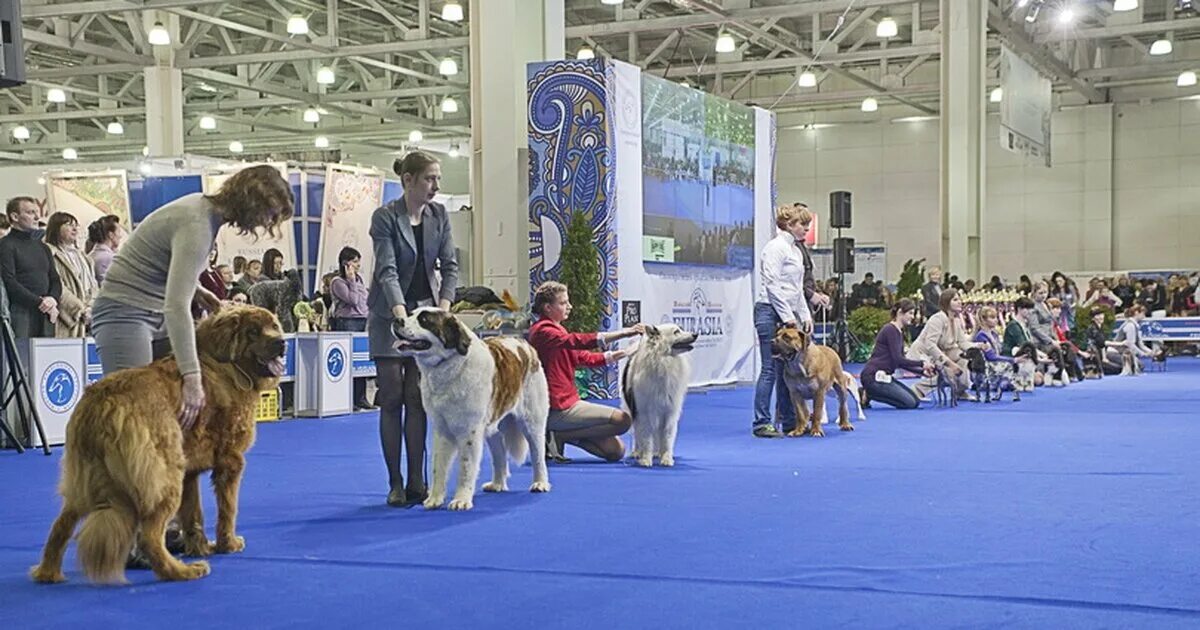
(785, 215)
(546, 294)
(988, 312)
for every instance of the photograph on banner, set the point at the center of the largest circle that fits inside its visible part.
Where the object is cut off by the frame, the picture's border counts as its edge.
(89, 196)
(351, 196)
(229, 243)
(698, 166)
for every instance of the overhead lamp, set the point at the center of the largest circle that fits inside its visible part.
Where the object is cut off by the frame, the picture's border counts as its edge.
(1125, 5)
(321, 142)
(20, 132)
(684, 83)
(1066, 16)
(869, 104)
(886, 28)
(325, 75)
(145, 151)
(312, 116)
(1032, 16)
(144, 168)
(585, 52)
(725, 43)
(56, 95)
(1186, 79)
(1021, 3)
(449, 105)
(453, 151)
(236, 147)
(70, 154)
(1161, 47)
(452, 11)
(807, 79)
(41, 181)
(297, 25)
(448, 67)
(158, 35)
(206, 87)
(997, 95)
(115, 128)
(208, 123)
(611, 1)
(415, 135)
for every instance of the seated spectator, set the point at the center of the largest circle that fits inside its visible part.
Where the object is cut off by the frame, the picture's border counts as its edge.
(989, 339)
(1152, 296)
(1041, 327)
(226, 273)
(104, 238)
(866, 293)
(1017, 334)
(210, 279)
(1099, 295)
(888, 356)
(1125, 291)
(237, 295)
(995, 284)
(272, 264)
(252, 275)
(1071, 353)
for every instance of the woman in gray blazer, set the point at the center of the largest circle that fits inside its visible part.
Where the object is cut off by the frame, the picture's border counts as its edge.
(415, 265)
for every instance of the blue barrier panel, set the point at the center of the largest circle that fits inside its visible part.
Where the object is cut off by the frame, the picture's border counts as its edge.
(361, 349)
(1171, 329)
(289, 359)
(92, 360)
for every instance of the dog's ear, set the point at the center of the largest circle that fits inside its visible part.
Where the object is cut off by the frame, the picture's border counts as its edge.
(652, 332)
(452, 335)
(805, 340)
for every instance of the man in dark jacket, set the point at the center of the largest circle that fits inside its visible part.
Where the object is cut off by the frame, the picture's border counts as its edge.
(28, 273)
(931, 293)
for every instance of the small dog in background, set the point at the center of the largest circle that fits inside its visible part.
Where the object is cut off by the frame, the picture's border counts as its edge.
(653, 385)
(945, 389)
(279, 297)
(1026, 367)
(985, 379)
(1158, 362)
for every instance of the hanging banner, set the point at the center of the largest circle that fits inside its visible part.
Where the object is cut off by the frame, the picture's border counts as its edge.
(88, 196)
(351, 196)
(1025, 109)
(230, 244)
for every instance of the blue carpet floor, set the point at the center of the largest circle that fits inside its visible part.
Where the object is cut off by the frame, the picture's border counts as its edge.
(1076, 507)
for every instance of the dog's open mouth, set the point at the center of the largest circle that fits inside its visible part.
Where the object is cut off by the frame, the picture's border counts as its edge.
(275, 366)
(684, 346)
(412, 344)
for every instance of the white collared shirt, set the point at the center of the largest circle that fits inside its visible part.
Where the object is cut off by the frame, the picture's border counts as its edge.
(782, 270)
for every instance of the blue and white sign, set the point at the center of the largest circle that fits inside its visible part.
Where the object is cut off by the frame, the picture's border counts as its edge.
(335, 363)
(1171, 329)
(60, 387)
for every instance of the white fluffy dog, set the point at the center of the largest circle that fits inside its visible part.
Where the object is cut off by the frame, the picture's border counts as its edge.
(475, 390)
(654, 383)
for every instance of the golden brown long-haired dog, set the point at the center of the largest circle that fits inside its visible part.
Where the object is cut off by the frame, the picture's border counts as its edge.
(822, 369)
(128, 467)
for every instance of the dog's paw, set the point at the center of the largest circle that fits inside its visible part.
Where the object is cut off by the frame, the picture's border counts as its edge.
(230, 545)
(846, 427)
(434, 502)
(645, 461)
(797, 432)
(816, 431)
(197, 547)
(666, 459)
(539, 486)
(195, 570)
(461, 505)
(43, 575)
(492, 486)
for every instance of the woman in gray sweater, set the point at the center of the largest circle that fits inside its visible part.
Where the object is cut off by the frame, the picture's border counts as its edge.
(149, 289)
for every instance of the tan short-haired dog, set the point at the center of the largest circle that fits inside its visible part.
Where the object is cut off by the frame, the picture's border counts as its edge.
(822, 369)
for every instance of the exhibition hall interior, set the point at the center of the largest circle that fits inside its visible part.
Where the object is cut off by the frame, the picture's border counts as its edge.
(583, 313)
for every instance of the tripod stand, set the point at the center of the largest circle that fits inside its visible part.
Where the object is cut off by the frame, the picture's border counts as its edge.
(843, 340)
(13, 372)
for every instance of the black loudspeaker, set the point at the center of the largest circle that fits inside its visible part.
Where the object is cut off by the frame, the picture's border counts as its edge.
(843, 255)
(839, 209)
(12, 59)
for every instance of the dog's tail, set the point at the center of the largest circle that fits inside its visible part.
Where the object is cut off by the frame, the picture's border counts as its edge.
(852, 386)
(514, 440)
(104, 544)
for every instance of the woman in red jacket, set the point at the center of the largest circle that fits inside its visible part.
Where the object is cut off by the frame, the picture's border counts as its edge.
(591, 427)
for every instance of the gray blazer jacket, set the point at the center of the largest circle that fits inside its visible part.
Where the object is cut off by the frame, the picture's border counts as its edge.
(395, 264)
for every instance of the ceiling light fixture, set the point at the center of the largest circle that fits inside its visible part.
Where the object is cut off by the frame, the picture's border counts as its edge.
(321, 142)
(448, 67)
(208, 123)
(452, 11)
(997, 95)
(453, 151)
(115, 128)
(70, 154)
(869, 104)
(1161, 47)
(886, 28)
(449, 105)
(325, 76)
(807, 79)
(1125, 5)
(1186, 79)
(725, 43)
(56, 95)
(415, 135)
(158, 35)
(20, 132)
(236, 147)
(585, 52)
(1032, 16)
(312, 116)
(297, 25)
(1066, 17)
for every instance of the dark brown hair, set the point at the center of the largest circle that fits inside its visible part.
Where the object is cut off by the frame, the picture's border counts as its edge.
(255, 197)
(55, 224)
(14, 204)
(413, 164)
(904, 305)
(99, 229)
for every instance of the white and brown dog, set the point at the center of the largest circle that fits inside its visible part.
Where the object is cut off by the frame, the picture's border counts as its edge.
(475, 390)
(653, 385)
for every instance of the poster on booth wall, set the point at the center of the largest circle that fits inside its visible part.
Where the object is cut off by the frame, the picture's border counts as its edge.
(351, 197)
(88, 196)
(230, 244)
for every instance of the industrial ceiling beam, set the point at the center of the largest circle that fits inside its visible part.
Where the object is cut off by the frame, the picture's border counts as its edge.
(670, 23)
(442, 43)
(1039, 56)
(107, 6)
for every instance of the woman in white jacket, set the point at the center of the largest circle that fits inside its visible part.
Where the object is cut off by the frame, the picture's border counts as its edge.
(942, 342)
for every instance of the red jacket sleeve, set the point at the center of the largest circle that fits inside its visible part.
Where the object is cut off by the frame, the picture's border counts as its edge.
(556, 337)
(589, 359)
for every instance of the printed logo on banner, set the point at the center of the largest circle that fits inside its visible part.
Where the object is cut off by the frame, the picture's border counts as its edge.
(335, 363)
(701, 316)
(59, 387)
(631, 313)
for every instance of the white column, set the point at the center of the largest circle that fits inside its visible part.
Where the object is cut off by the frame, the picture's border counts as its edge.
(505, 36)
(164, 91)
(963, 130)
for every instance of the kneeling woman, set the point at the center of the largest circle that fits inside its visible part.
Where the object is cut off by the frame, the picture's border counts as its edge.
(889, 357)
(593, 428)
